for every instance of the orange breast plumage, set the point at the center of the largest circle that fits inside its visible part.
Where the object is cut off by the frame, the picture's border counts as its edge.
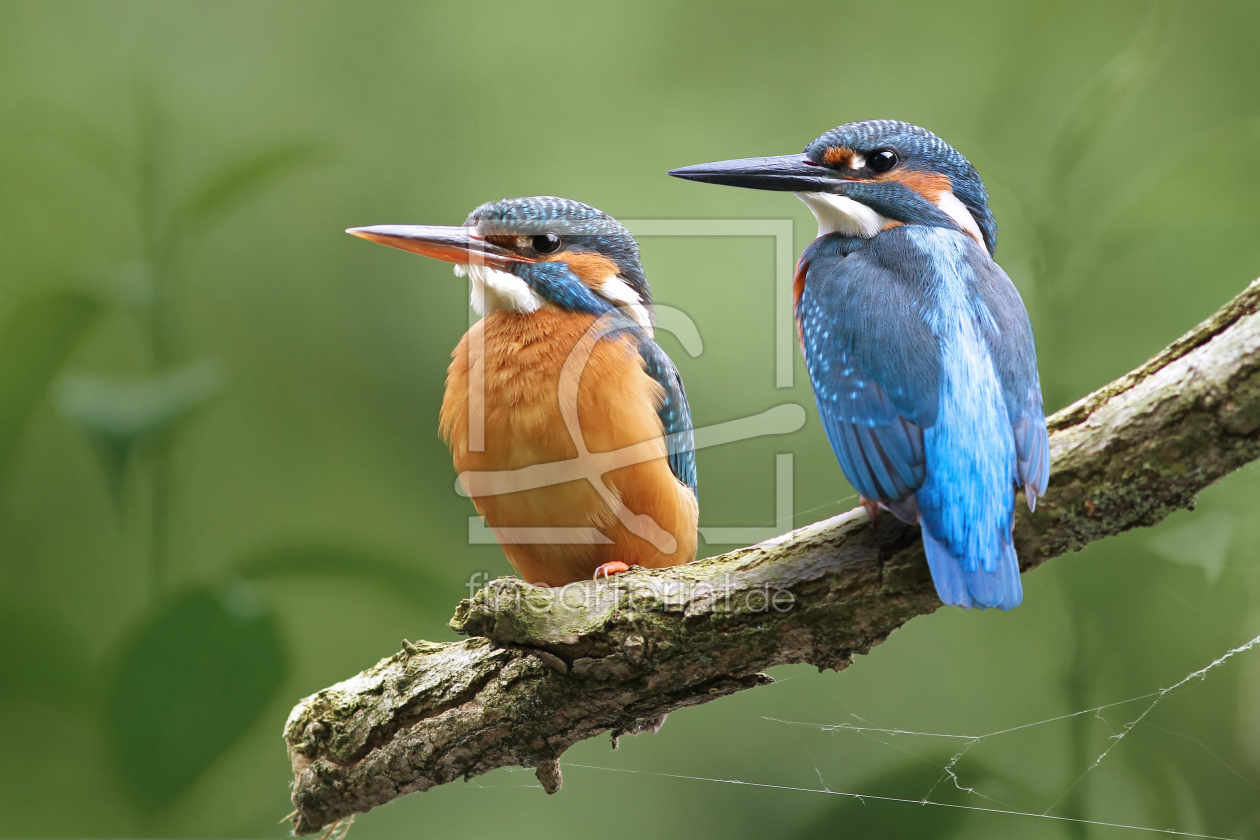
(522, 359)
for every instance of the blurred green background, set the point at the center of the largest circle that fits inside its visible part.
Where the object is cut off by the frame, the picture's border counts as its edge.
(221, 486)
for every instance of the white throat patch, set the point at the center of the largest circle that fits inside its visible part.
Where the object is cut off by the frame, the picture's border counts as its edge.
(495, 291)
(838, 214)
(620, 292)
(956, 210)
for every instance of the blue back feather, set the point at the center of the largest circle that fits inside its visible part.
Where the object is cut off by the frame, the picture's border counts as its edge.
(675, 413)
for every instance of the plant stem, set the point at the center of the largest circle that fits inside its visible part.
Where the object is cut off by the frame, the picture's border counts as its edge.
(160, 525)
(157, 247)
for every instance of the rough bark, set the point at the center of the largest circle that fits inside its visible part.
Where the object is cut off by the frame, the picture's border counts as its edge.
(544, 669)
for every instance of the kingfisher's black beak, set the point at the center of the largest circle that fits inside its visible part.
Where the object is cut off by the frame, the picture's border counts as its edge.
(450, 244)
(791, 173)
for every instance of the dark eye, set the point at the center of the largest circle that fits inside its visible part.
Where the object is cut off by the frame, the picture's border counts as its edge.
(882, 160)
(547, 243)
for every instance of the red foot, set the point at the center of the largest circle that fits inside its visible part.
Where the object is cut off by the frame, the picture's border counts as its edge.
(872, 508)
(607, 570)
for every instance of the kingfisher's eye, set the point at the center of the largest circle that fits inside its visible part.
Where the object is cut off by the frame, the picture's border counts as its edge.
(547, 243)
(882, 160)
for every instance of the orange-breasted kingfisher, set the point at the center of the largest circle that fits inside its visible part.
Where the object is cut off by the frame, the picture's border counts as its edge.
(918, 345)
(564, 347)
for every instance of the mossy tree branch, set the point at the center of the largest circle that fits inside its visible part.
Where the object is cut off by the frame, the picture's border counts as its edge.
(544, 669)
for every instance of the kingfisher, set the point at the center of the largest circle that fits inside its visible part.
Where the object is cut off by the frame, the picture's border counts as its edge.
(918, 346)
(562, 414)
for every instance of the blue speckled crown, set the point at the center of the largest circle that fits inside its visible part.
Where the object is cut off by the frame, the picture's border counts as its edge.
(582, 227)
(916, 146)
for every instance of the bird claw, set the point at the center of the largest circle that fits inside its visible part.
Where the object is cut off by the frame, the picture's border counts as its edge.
(872, 508)
(607, 570)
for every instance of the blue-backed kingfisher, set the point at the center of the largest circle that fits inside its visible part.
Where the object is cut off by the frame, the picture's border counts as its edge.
(918, 346)
(553, 277)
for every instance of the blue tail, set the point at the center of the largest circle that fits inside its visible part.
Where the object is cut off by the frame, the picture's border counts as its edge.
(958, 587)
(967, 504)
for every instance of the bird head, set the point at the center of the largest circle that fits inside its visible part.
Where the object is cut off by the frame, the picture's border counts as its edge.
(526, 253)
(865, 177)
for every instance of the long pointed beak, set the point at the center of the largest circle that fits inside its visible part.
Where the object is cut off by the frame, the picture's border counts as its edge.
(450, 244)
(792, 173)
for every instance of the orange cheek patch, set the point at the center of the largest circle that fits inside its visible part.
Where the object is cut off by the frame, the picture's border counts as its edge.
(591, 269)
(837, 156)
(930, 185)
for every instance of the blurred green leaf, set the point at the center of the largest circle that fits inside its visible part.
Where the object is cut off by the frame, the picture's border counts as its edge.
(237, 179)
(853, 817)
(130, 409)
(189, 685)
(1204, 543)
(39, 660)
(1099, 102)
(35, 341)
(117, 413)
(419, 588)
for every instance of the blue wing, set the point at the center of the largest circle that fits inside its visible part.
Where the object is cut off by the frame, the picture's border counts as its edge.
(674, 412)
(1010, 340)
(874, 364)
